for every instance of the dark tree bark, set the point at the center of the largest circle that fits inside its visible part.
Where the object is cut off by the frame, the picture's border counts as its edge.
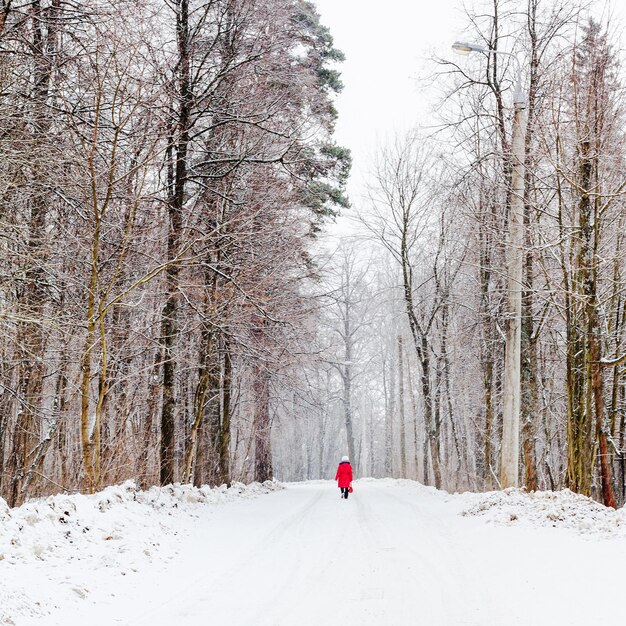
(177, 183)
(263, 469)
(31, 336)
(401, 415)
(226, 415)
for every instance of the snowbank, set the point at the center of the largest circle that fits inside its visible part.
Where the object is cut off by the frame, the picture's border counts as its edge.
(516, 507)
(406, 483)
(563, 509)
(120, 528)
(124, 552)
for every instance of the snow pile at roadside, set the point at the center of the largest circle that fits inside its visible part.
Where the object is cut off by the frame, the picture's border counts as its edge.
(120, 529)
(563, 509)
(74, 526)
(405, 483)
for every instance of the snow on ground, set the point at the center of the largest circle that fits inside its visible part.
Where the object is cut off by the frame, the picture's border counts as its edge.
(119, 531)
(396, 553)
(562, 509)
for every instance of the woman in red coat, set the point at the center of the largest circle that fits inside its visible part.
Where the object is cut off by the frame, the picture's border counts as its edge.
(344, 476)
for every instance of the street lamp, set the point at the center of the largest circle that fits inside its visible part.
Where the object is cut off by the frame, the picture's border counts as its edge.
(509, 470)
(464, 48)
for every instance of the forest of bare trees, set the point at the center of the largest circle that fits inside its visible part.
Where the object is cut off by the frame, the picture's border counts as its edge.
(167, 314)
(428, 386)
(163, 167)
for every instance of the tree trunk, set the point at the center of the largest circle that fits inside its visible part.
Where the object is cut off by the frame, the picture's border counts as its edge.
(445, 357)
(389, 391)
(529, 384)
(403, 473)
(167, 473)
(226, 415)
(31, 338)
(422, 350)
(177, 181)
(416, 442)
(262, 425)
(346, 376)
(580, 427)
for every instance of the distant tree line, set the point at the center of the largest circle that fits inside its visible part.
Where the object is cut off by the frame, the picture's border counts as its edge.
(165, 166)
(419, 326)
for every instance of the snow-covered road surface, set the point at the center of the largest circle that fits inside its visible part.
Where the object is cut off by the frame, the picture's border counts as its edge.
(394, 554)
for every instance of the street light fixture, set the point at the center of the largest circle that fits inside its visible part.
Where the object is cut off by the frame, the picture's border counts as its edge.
(509, 469)
(464, 48)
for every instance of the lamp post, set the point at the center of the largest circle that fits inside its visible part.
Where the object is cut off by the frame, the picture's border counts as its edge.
(509, 469)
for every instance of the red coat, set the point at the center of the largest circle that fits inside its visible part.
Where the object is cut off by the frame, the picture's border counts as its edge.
(344, 474)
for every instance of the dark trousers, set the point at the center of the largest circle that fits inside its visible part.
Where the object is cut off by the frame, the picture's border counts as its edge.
(344, 492)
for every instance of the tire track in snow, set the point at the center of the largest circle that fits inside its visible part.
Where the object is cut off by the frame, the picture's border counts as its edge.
(451, 566)
(247, 544)
(390, 555)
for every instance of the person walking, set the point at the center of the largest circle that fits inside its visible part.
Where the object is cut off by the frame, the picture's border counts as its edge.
(344, 476)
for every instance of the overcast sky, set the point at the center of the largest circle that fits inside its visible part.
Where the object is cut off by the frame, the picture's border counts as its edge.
(388, 44)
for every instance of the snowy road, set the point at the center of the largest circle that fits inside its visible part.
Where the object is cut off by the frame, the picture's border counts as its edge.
(394, 554)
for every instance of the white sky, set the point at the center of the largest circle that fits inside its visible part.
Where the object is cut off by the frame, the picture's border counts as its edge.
(388, 44)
